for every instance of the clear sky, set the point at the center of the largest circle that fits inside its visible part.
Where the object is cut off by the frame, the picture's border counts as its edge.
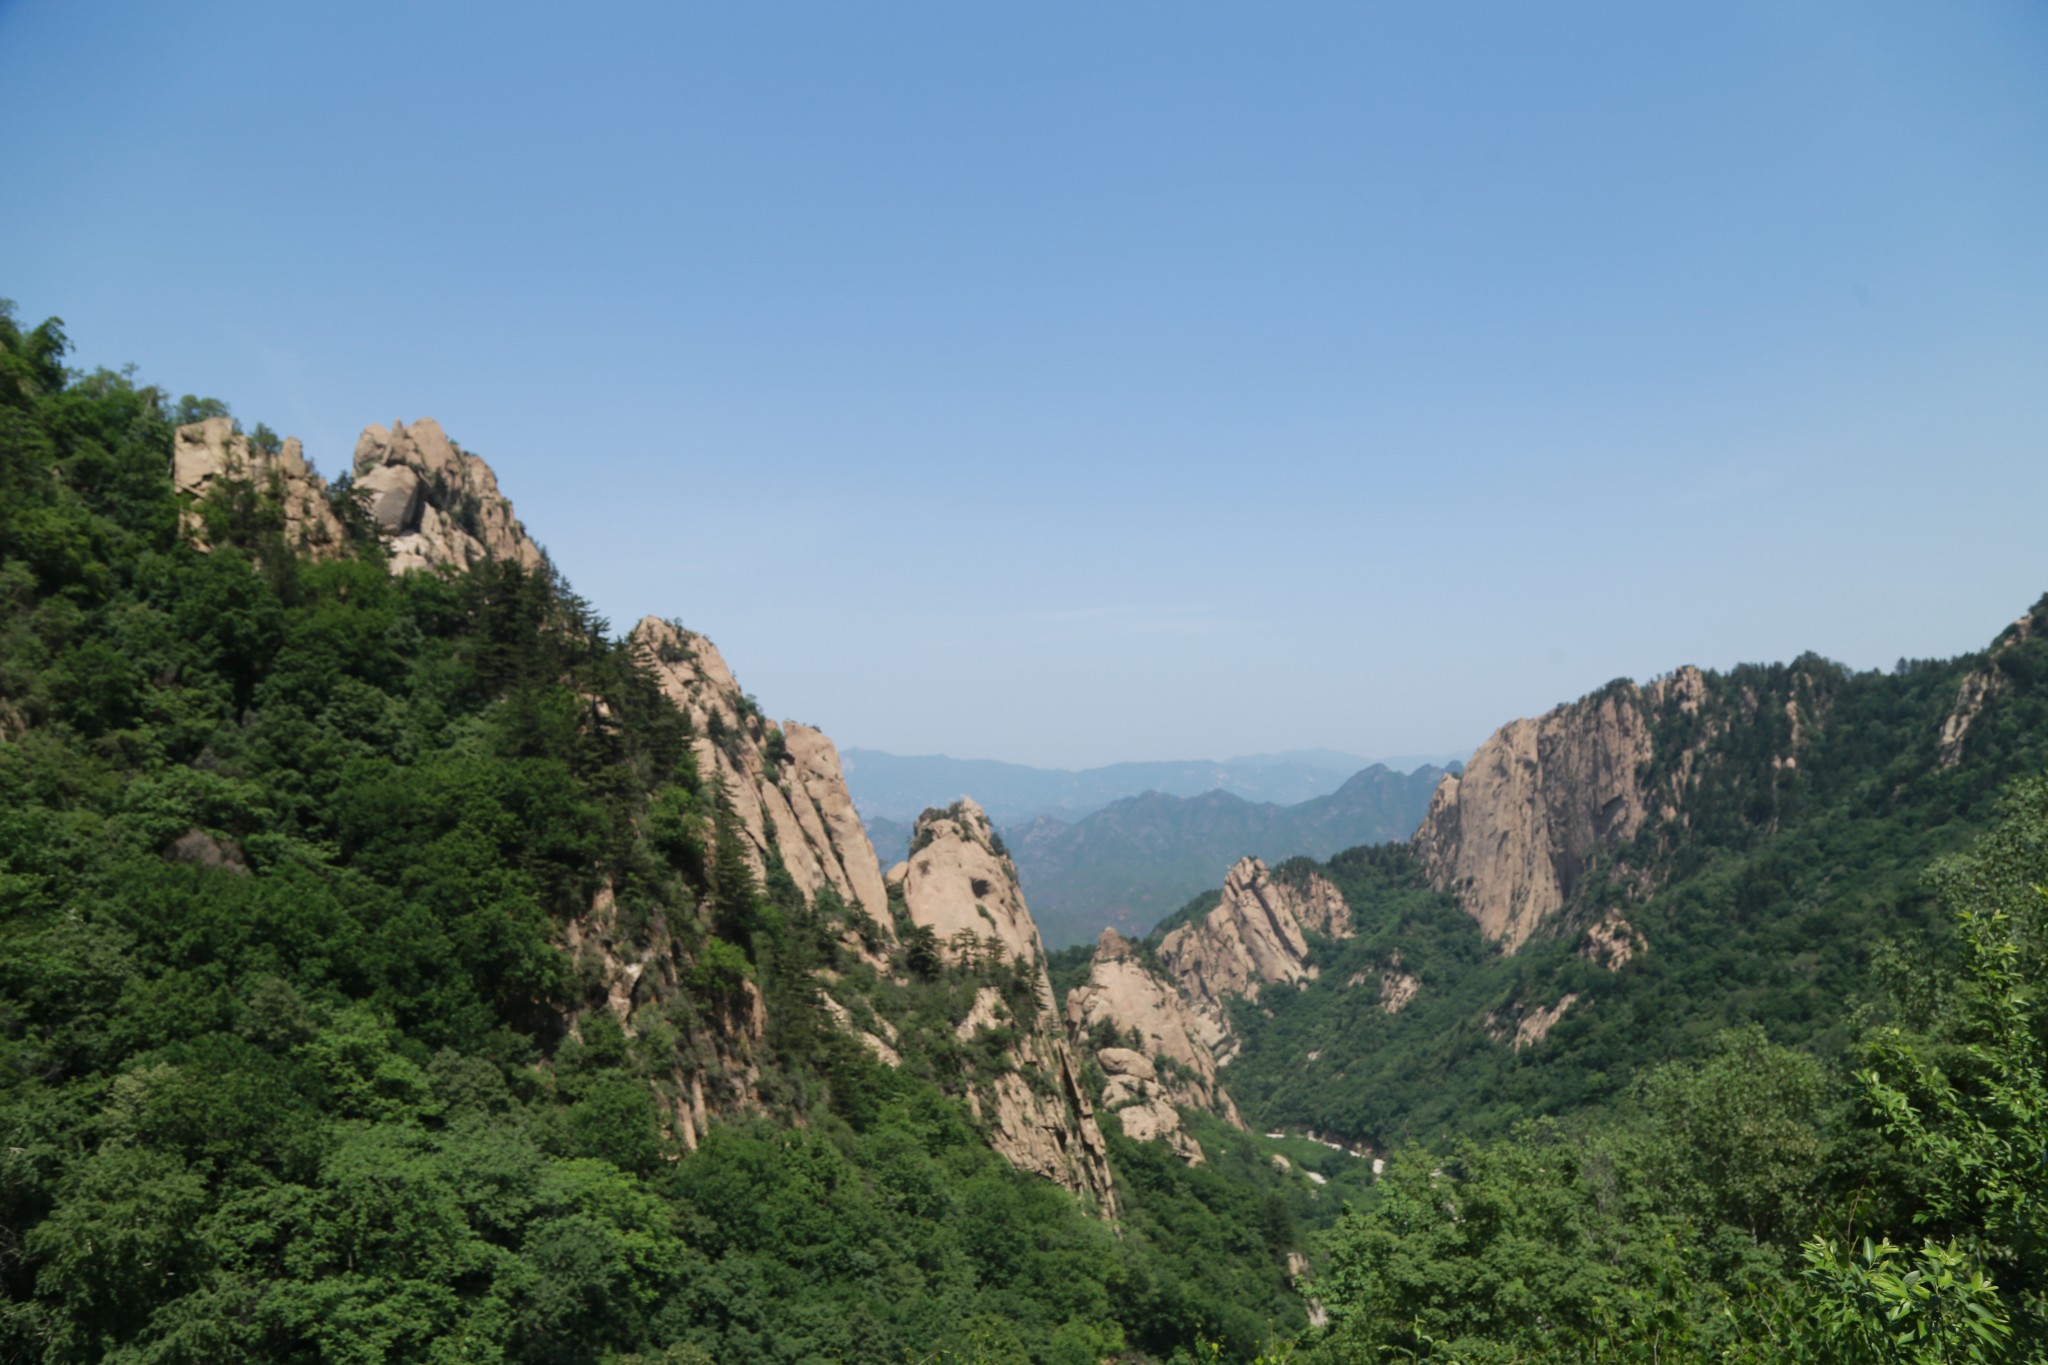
(1068, 383)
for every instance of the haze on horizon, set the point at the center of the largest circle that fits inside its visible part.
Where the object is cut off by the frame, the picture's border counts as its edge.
(1077, 384)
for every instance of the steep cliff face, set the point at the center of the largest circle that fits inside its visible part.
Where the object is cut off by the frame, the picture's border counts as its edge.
(1985, 684)
(1514, 834)
(1148, 1045)
(206, 454)
(1257, 936)
(438, 503)
(784, 782)
(1545, 801)
(960, 886)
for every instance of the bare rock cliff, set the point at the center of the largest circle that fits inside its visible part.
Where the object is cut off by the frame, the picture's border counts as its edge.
(960, 885)
(785, 782)
(1257, 936)
(1158, 1061)
(1985, 683)
(206, 454)
(1545, 801)
(1514, 834)
(438, 503)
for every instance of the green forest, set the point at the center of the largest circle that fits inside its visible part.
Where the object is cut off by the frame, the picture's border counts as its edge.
(294, 1065)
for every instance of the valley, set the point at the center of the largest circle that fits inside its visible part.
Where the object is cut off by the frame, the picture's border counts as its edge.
(397, 963)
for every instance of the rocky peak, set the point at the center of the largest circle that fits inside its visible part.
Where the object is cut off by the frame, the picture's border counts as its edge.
(438, 503)
(959, 884)
(205, 454)
(1985, 683)
(785, 782)
(1256, 937)
(1545, 801)
(1148, 1045)
(1513, 835)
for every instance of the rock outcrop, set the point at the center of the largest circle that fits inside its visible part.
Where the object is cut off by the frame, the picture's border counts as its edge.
(1398, 986)
(1520, 1026)
(1513, 835)
(1157, 1061)
(713, 1070)
(1256, 937)
(438, 503)
(1545, 801)
(785, 784)
(1984, 684)
(206, 454)
(959, 885)
(1612, 942)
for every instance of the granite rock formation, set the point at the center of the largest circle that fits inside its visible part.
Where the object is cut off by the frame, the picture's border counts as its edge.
(959, 885)
(206, 454)
(1256, 937)
(1157, 1062)
(784, 781)
(438, 503)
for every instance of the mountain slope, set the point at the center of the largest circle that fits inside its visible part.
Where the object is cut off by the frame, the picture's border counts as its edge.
(387, 968)
(1608, 885)
(896, 787)
(1127, 865)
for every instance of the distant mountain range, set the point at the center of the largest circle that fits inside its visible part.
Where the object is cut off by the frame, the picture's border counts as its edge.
(1136, 860)
(895, 788)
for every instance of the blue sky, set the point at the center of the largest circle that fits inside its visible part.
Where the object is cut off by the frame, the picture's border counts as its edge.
(1076, 383)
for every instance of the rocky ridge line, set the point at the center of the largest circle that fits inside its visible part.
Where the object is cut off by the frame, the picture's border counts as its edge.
(785, 782)
(1985, 684)
(1256, 937)
(206, 454)
(959, 885)
(438, 503)
(1157, 1061)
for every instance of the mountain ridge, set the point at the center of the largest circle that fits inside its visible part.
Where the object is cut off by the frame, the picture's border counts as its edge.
(898, 788)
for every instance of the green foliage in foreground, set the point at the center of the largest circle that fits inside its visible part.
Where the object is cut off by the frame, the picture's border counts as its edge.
(1744, 1208)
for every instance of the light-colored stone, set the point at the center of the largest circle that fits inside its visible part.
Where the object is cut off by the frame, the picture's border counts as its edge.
(438, 504)
(205, 454)
(1613, 942)
(1513, 835)
(883, 1051)
(1980, 687)
(796, 804)
(1122, 992)
(958, 886)
(1256, 937)
(1397, 987)
(714, 1069)
(1520, 1026)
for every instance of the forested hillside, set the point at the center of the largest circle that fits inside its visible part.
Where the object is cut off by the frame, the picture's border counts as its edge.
(396, 964)
(1752, 1028)
(296, 1062)
(1128, 864)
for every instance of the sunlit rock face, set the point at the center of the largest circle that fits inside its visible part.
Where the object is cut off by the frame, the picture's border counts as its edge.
(1256, 937)
(784, 781)
(206, 454)
(438, 503)
(1512, 835)
(1148, 1045)
(959, 884)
